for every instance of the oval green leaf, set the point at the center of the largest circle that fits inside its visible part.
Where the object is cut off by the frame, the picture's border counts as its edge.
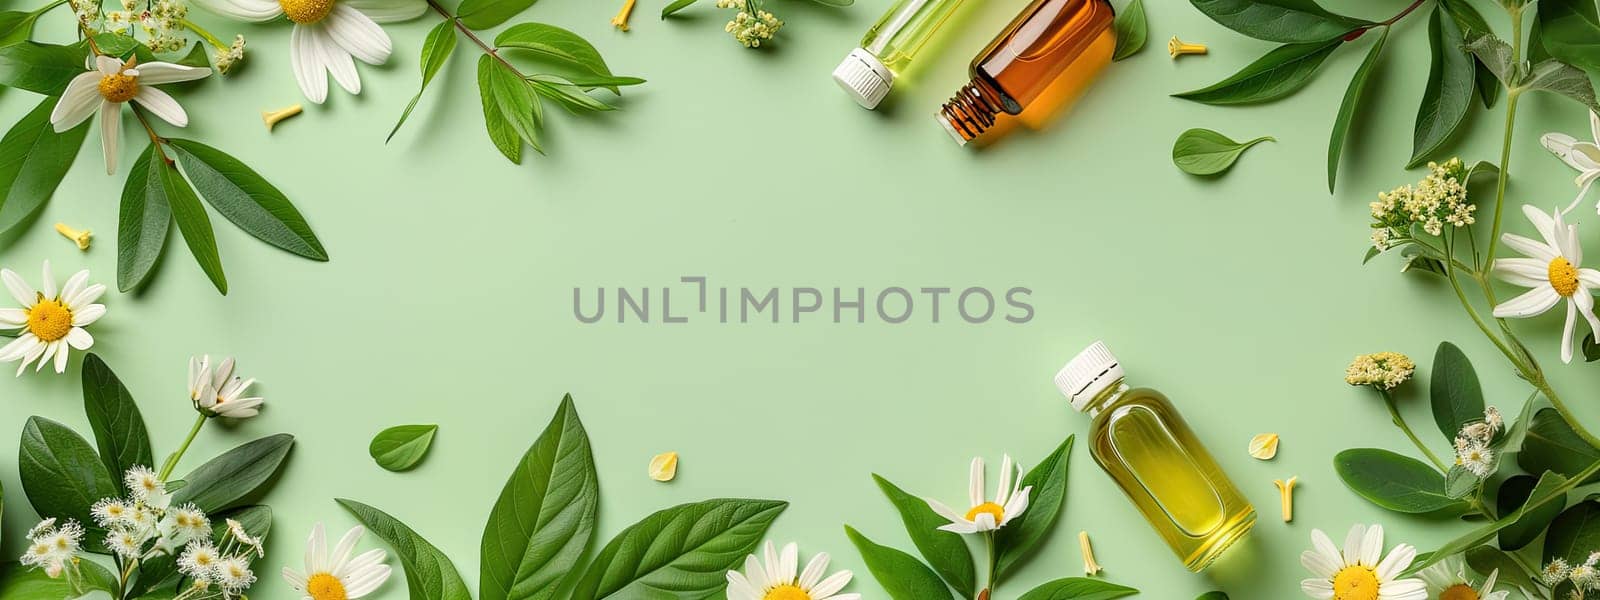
(1550, 444)
(902, 576)
(1279, 73)
(1288, 21)
(144, 219)
(1486, 532)
(41, 68)
(236, 474)
(1347, 108)
(1452, 81)
(113, 415)
(429, 573)
(1569, 30)
(1206, 152)
(33, 161)
(401, 447)
(946, 552)
(483, 14)
(1454, 391)
(1017, 540)
(555, 44)
(61, 474)
(1488, 559)
(1575, 533)
(1395, 482)
(1079, 588)
(245, 198)
(1213, 596)
(679, 553)
(1132, 29)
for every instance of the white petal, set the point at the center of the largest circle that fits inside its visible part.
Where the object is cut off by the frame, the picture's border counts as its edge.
(316, 548)
(17, 348)
(1584, 300)
(1372, 546)
(1594, 125)
(985, 522)
(1317, 588)
(306, 59)
(1528, 247)
(1398, 560)
(74, 285)
(162, 105)
(389, 11)
(1566, 332)
(832, 584)
(48, 279)
(975, 482)
(739, 588)
(368, 581)
(79, 339)
(945, 511)
(156, 73)
(1533, 302)
(1549, 226)
(1352, 545)
(34, 351)
(814, 571)
(358, 35)
(339, 63)
(341, 551)
(110, 129)
(1526, 272)
(243, 10)
(1017, 505)
(88, 315)
(13, 317)
(294, 578)
(85, 297)
(1404, 589)
(78, 102)
(1003, 491)
(49, 354)
(107, 65)
(961, 528)
(24, 293)
(1320, 564)
(774, 575)
(789, 562)
(756, 573)
(61, 355)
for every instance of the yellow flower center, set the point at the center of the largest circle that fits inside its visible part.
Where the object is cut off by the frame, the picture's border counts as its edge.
(306, 12)
(49, 320)
(1563, 276)
(987, 508)
(1355, 583)
(119, 87)
(323, 586)
(786, 592)
(1460, 591)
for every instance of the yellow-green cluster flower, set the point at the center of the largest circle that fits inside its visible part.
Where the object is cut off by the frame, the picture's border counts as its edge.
(752, 25)
(162, 23)
(1439, 199)
(226, 58)
(1382, 370)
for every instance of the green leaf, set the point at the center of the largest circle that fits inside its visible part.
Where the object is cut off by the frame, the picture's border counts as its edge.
(1569, 30)
(675, 6)
(1347, 108)
(1452, 78)
(192, 220)
(1574, 534)
(1591, 349)
(1079, 588)
(1496, 55)
(33, 161)
(556, 44)
(401, 447)
(1278, 73)
(1488, 559)
(602, 81)
(1289, 21)
(429, 573)
(1486, 532)
(41, 68)
(545, 516)
(483, 14)
(436, 50)
(947, 552)
(1550, 444)
(1513, 493)
(118, 427)
(902, 576)
(1213, 596)
(564, 92)
(236, 474)
(197, 57)
(1460, 483)
(679, 553)
(1454, 390)
(509, 108)
(159, 574)
(1206, 152)
(1395, 482)
(1049, 482)
(1132, 29)
(60, 472)
(246, 199)
(16, 26)
(145, 216)
(23, 583)
(1563, 79)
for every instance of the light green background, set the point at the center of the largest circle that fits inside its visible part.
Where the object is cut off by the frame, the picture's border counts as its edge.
(448, 297)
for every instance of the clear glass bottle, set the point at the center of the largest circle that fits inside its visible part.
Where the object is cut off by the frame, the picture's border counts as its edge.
(1139, 439)
(1047, 56)
(886, 52)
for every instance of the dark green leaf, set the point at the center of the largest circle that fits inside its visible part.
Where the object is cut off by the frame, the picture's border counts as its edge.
(1280, 72)
(1514, 492)
(41, 68)
(159, 574)
(1551, 445)
(1591, 350)
(679, 553)
(1079, 588)
(483, 14)
(429, 573)
(1455, 393)
(22, 583)
(675, 6)
(1347, 108)
(436, 50)
(1451, 81)
(1569, 30)
(1048, 479)
(902, 576)
(1574, 534)
(118, 426)
(1206, 152)
(1213, 596)
(1288, 21)
(1395, 482)
(192, 220)
(1132, 28)
(556, 44)
(33, 161)
(1565, 80)
(947, 552)
(545, 516)
(60, 472)
(1486, 532)
(1496, 55)
(142, 226)
(1488, 559)
(225, 480)
(246, 199)
(401, 447)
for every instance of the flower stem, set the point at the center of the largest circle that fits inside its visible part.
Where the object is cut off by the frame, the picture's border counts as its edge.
(988, 543)
(487, 49)
(172, 461)
(1409, 9)
(1394, 413)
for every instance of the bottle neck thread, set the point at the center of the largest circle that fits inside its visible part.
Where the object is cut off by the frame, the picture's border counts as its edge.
(971, 112)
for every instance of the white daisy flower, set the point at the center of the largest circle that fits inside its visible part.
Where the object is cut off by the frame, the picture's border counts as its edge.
(1448, 580)
(199, 561)
(1553, 271)
(216, 392)
(337, 576)
(113, 83)
(1357, 573)
(51, 321)
(1011, 500)
(778, 578)
(1583, 156)
(327, 34)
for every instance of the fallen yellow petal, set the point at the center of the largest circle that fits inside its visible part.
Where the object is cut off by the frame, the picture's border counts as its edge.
(1286, 491)
(664, 467)
(81, 238)
(272, 117)
(1090, 567)
(1264, 446)
(621, 20)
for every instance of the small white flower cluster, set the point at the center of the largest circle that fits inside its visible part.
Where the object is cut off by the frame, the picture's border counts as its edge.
(1382, 370)
(1439, 199)
(87, 11)
(226, 58)
(750, 27)
(220, 569)
(1584, 577)
(54, 548)
(161, 21)
(145, 523)
(1474, 444)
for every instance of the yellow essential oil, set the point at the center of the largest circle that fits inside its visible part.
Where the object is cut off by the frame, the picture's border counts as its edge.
(1139, 439)
(888, 49)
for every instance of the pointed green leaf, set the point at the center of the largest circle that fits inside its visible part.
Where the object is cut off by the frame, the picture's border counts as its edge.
(947, 552)
(1395, 482)
(1564, 80)
(1132, 29)
(902, 576)
(33, 161)
(236, 474)
(1017, 540)
(429, 573)
(1550, 444)
(1082, 588)
(118, 427)
(554, 43)
(483, 14)
(1574, 534)
(567, 94)
(1347, 108)
(501, 131)
(1289, 21)
(681, 553)
(1452, 78)
(1569, 30)
(1206, 152)
(1495, 55)
(192, 221)
(675, 6)
(1488, 559)
(145, 216)
(41, 68)
(402, 447)
(245, 198)
(1513, 493)
(1456, 395)
(1278, 73)
(436, 50)
(16, 26)
(1486, 532)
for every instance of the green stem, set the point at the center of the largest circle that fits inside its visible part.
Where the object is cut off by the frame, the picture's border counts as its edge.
(1388, 401)
(988, 542)
(1512, 96)
(172, 461)
(205, 35)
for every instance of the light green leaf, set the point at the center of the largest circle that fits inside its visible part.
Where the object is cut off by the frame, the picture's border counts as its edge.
(511, 111)
(1278, 73)
(192, 220)
(483, 14)
(1079, 588)
(1486, 532)
(436, 50)
(675, 6)
(16, 26)
(236, 474)
(554, 43)
(246, 199)
(902, 576)
(947, 552)
(495, 120)
(602, 81)
(1569, 30)
(118, 427)
(1132, 29)
(1550, 444)
(41, 68)
(545, 516)
(33, 161)
(22, 583)
(1289, 21)
(1574, 534)
(145, 216)
(429, 573)
(197, 57)
(1460, 483)
(1017, 540)
(1496, 55)
(1513, 493)
(1565, 80)
(61, 474)
(1395, 482)
(1206, 152)
(680, 553)
(1456, 395)
(1452, 78)
(564, 92)
(1347, 108)
(401, 447)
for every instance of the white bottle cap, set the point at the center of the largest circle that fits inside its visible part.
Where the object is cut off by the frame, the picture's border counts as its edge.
(864, 77)
(1088, 374)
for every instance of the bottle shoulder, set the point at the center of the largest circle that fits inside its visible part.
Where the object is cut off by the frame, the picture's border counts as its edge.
(1134, 397)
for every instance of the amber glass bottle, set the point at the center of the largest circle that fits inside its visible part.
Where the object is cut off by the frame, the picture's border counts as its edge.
(1047, 55)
